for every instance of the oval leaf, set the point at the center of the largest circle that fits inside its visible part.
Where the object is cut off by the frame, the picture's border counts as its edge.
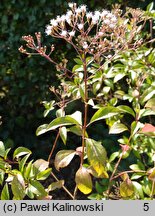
(97, 155)
(117, 128)
(83, 180)
(18, 187)
(41, 164)
(20, 151)
(105, 112)
(2, 149)
(63, 158)
(63, 134)
(126, 188)
(126, 109)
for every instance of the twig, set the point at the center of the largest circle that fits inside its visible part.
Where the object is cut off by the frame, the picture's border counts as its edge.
(65, 189)
(54, 145)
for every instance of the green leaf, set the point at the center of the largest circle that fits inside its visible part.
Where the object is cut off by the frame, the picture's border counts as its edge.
(43, 174)
(83, 180)
(29, 171)
(126, 188)
(77, 129)
(78, 61)
(151, 104)
(105, 112)
(41, 129)
(150, 7)
(113, 156)
(126, 109)
(2, 173)
(6, 153)
(97, 155)
(119, 76)
(2, 149)
(77, 68)
(135, 126)
(37, 188)
(138, 187)
(18, 187)
(20, 151)
(117, 128)
(135, 167)
(81, 90)
(148, 94)
(62, 121)
(63, 134)
(5, 193)
(55, 185)
(22, 163)
(63, 158)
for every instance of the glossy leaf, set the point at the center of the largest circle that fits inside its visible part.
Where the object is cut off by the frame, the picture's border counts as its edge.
(138, 187)
(56, 185)
(2, 149)
(148, 130)
(151, 104)
(135, 126)
(117, 128)
(37, 188)
(43, 174)
(29, 171)
(105, 112)
(126, 109)
(97, 155)
(63, 134)
(148, 93)
(93, 172)
(5, 193)
(63, 158)
(22, 163)
(18, 187)
(113, 156)
(77, 129)
(41, 129)
(83, 180)
(20, 151)
(2, 173)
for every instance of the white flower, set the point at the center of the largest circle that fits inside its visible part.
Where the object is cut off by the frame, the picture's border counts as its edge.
(100, 34)
(68, 19)
(89, 15)
(109, 15)
(83, 8)
(112, 25)
(78, 10)
(71, 5)
(63, 18)
(107, 21)
(80, 26)
(48, 29)
(59, 19)
(53, 22)
(104, 13)
(85, 45)
(69, 13)
(113, 19)
(72, 33)
(95, 19)
(97, 14)
(64, 33)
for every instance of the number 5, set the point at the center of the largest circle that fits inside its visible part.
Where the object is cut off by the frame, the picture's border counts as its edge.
(146, 207)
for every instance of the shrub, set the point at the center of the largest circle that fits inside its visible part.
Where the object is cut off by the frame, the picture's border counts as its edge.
(113, 74)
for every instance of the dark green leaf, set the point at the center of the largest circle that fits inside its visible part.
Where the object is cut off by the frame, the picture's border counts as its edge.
(43, 174)
(2, 149)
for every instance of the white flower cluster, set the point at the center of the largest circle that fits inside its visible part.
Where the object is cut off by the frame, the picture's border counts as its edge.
(77, 19)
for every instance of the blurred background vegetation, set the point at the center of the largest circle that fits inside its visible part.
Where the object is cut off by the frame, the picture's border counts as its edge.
(25, 81)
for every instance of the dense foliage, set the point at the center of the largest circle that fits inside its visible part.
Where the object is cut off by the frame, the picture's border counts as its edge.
(104, 99)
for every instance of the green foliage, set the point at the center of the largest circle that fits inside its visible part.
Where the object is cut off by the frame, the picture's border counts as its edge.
(112, 78)
(21, 179)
